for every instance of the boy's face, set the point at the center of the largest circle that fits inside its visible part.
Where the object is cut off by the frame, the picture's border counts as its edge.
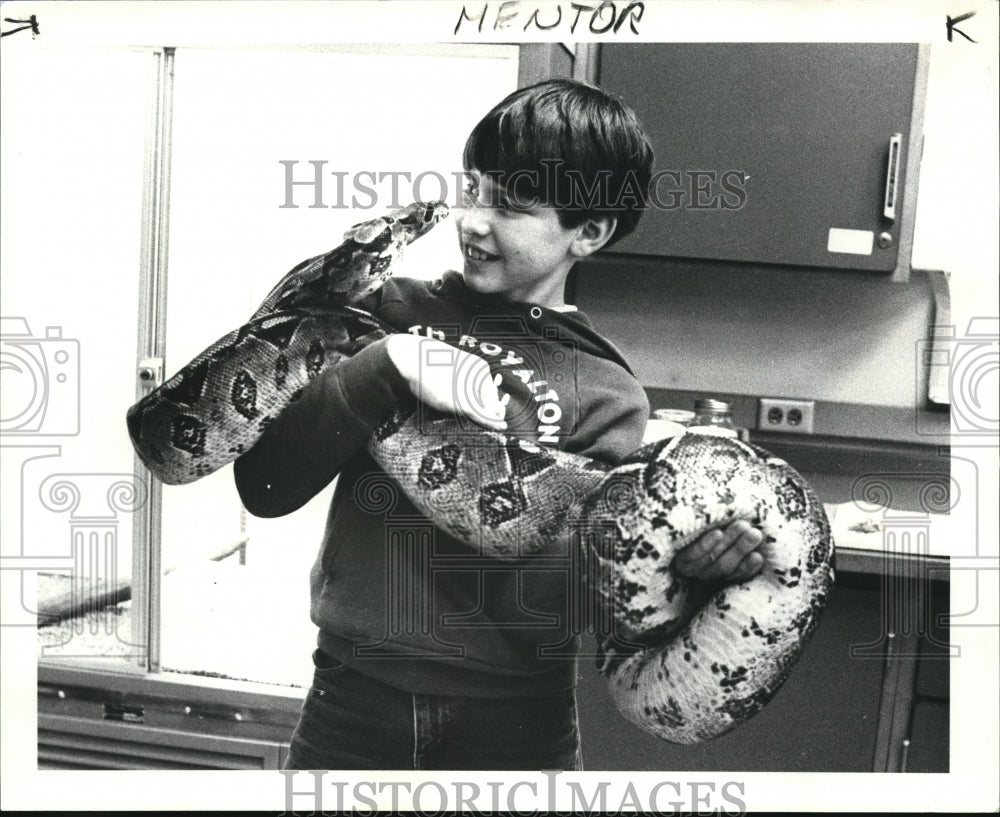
(521, 254)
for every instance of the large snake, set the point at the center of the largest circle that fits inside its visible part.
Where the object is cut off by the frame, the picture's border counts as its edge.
(686, 661)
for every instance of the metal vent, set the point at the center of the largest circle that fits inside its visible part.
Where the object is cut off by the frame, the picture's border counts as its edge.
(78, 743)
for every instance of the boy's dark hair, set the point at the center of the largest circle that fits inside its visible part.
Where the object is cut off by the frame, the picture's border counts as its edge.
(570, 145)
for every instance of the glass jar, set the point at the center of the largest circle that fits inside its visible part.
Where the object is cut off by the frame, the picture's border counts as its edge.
(680, 416)
(713, 417)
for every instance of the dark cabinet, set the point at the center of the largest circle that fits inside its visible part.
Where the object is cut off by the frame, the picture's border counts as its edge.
(772, 153)
(857, 701)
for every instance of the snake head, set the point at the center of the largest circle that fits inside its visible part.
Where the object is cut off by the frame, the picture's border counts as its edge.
(370, 250)
(395, 230)
(417, 218)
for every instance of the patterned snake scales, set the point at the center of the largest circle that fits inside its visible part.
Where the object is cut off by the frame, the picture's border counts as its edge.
(685, 661)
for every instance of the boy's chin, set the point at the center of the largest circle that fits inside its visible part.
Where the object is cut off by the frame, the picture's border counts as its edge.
(477, 279)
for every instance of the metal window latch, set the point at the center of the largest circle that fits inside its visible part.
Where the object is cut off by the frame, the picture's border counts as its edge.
(150, 371)
(129, 713)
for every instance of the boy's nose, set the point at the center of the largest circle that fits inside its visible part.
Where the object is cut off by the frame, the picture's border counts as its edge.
(473, 220)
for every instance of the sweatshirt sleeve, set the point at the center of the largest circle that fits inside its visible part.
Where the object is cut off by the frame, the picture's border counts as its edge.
(615, 423)
(312, 439)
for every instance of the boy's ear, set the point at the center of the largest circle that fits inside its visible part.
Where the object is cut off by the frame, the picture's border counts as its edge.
(592, 235)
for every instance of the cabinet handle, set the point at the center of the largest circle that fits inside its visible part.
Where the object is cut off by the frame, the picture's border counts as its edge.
(892, 177)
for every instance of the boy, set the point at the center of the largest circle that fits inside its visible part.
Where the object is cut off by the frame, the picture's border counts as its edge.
(431, 656)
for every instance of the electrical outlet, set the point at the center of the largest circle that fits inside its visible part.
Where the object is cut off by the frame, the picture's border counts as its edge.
(790, 416)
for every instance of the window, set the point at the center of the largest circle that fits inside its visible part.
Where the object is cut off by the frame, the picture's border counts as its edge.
(177, 161)
(72, 190)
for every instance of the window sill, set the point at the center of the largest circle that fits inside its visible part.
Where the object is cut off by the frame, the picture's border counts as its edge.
(169, 699)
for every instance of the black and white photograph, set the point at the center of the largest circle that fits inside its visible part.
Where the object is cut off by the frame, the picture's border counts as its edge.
(429, 405)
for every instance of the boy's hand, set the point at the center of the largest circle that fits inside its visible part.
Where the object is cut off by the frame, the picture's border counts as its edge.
(448, 379)
(729, 554)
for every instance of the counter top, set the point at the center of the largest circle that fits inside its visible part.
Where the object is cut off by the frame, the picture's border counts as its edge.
(870, 537)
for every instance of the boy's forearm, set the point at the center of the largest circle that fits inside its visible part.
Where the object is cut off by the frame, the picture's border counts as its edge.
(309, 442)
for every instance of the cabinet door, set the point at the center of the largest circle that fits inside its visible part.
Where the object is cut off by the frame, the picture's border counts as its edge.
(824, 718)
(763, 149)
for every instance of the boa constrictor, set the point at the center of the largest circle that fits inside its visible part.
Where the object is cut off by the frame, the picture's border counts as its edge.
(685, 661)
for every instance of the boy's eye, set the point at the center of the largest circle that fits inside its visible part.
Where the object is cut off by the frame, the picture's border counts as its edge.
(470, 193)
(512, 204)
(515, 206)
(495, 198)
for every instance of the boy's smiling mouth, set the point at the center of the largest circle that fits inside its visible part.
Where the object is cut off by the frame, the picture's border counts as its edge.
(476, 254)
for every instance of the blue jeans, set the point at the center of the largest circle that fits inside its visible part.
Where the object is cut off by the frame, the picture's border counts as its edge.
(351, 721)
